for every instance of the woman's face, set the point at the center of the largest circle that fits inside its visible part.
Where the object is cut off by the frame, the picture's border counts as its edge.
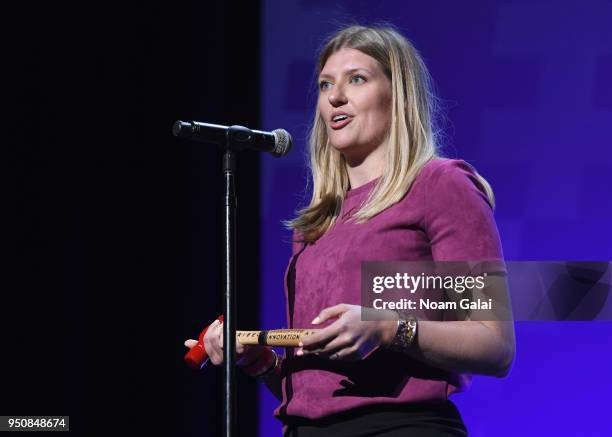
(355, 102)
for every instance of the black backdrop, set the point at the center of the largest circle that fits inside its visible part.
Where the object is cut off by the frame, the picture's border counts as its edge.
(116, 230)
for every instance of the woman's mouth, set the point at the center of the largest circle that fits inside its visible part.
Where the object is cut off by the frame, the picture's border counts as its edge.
(339, 121)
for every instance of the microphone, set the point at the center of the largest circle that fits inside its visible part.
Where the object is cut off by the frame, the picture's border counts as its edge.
(277, 142)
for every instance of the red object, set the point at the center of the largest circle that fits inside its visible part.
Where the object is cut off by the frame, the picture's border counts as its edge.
(197, 357)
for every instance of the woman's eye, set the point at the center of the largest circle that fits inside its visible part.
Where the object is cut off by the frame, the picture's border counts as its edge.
(323, 85)
(357, 79)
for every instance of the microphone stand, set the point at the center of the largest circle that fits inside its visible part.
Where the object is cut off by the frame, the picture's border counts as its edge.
(236, 138)
(229, 284)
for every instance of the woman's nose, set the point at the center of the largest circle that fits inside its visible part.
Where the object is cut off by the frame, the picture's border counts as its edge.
(337, 97)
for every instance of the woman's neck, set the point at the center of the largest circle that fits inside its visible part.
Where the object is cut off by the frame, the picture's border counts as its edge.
(362, 170)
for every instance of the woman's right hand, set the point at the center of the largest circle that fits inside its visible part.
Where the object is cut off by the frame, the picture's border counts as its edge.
(213, 342)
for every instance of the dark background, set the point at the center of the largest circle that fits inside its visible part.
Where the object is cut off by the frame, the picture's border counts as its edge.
(116, 224)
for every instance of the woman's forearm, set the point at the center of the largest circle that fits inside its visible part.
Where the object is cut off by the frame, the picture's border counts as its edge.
(485, 348)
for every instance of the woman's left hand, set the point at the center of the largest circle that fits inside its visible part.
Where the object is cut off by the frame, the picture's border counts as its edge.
(349, 337)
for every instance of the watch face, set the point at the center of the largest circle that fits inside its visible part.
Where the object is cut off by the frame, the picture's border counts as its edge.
(404, 337)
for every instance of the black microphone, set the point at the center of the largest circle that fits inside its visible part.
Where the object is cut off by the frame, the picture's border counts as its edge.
(277, 142)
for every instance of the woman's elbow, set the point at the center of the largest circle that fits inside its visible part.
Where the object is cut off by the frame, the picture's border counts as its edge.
(503, 365)
(501, 350)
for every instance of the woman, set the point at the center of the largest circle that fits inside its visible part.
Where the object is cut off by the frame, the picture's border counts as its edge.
(380, 192)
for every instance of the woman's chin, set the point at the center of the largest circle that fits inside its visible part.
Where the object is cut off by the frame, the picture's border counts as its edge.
(342, 147)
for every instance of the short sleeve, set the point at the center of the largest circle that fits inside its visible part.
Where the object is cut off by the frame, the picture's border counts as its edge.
(459, 218)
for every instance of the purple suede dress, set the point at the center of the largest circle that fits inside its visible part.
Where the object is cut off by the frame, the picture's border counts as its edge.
(445, 216)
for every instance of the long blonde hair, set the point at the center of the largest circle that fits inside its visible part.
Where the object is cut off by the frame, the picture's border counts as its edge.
(411, 142)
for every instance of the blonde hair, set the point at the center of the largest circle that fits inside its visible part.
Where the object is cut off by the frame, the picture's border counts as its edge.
(411, 141)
